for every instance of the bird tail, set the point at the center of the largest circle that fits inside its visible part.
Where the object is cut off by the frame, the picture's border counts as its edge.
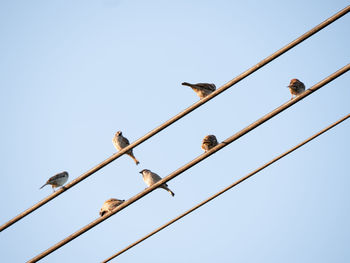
(134, 158)
(43, 186)
(186, 84)
(171, 192)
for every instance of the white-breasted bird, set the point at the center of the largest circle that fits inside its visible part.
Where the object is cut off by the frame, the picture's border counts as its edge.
(209, 142)
(296, 87)
(120, 142)
(57, 180)
(151, 178)
(202, 89)
(109, 205)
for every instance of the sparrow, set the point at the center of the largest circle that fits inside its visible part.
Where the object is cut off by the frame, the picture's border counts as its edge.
(109, 205)
(209, 142)
(202, 89)
(151, 178)
(296, 87)
(57, 180)
(120, 142)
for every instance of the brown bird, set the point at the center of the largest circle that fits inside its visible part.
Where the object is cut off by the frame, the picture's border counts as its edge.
(151, 178)
(120, 142)
(57, 180)
(109, 205)
(202, 89)
(296, 87)
(209, 142)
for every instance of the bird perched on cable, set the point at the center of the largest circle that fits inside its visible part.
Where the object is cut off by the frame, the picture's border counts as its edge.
(151, 178)
(120, 142)
(57, 180)
(202, 89)
(296, 87)
(109, 205)
(209, 142)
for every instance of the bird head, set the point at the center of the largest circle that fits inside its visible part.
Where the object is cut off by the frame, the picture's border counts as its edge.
(118, 133)
(209, 138)
(144, 171)
(292, 82)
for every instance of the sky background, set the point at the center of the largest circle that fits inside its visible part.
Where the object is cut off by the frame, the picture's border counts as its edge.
(75, 72)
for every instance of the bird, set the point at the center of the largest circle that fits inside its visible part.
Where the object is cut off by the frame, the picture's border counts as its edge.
(109, 205)
(57, 180)
(209, 142)
(151, 178)
(120, 142)
(202, 89)
(296, 87)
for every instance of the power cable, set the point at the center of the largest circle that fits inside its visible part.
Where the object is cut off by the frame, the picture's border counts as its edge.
(226, 188)
(194, 162)
(179, 116)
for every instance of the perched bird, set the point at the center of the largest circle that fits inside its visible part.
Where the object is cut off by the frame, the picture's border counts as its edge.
(296, 87)
(57, 180)
(209, 142)
(120, 142)
(202, 89)
(109, 205)
(151, 178)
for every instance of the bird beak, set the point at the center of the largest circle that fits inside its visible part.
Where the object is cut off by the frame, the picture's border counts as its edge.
(140, 172)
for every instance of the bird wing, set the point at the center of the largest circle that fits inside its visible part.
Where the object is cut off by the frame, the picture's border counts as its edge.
(206, 86)
(111, 200)
(213, 139)
(155, 178)
(126, 141)
(56, 177)
(113, 203)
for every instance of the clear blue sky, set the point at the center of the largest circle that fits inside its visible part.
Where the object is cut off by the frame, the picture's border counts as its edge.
(75, 72)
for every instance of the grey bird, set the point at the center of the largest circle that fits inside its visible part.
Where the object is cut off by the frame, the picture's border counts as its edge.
(209, 142)
(296, 87)
(151, 178)
(120, 142)
(57, 180)
(202, 89)
(109, 205)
